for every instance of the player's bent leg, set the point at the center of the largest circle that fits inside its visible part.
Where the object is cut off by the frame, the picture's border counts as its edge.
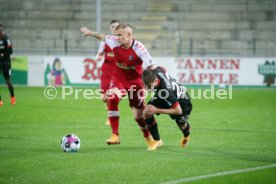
(153, 128)
(113, 114)
(184, 126)
(11, 89)
(142, 125)
(138, 116)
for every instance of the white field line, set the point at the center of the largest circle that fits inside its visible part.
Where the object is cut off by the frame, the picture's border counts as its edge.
(184, 180)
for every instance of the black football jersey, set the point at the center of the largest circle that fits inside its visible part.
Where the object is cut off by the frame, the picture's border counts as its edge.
(169, 89)
(5, 48)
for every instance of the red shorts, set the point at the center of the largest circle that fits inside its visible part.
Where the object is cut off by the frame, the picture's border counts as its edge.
(134, 89)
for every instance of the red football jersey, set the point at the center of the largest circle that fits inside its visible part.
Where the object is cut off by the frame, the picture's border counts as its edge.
(129, 62)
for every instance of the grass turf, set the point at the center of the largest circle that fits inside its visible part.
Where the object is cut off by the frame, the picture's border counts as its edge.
(226, 135)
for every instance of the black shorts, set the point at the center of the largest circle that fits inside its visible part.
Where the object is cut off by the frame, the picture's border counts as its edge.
(5, 69)
(185, 104)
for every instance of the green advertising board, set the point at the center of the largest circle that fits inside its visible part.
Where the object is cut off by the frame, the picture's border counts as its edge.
(19, 71)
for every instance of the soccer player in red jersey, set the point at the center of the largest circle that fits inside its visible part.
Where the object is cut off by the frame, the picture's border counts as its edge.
(131, 57)
(108, 65)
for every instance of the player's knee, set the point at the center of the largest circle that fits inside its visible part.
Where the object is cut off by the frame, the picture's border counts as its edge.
(146, 115)
(150, 121)
(104, 98)
(114, 92)
(137, 113)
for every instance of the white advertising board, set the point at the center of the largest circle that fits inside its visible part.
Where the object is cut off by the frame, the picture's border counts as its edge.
(68, 70)
(230, 71)
(71, 70)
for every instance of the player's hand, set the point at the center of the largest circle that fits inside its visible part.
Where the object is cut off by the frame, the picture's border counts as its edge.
(99, 58)
(150, 110)
(85, 31)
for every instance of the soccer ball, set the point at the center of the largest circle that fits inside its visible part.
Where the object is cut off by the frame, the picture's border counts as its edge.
(70, 143)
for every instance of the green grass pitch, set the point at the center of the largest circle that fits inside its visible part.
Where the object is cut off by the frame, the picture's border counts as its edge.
(226, 135)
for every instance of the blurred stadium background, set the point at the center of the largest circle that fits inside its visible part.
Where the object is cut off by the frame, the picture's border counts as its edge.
(166, 27)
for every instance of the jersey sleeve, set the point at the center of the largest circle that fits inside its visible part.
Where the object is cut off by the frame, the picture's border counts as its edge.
(143, 54)
(101, 47)
(111, 41)
(171, 98)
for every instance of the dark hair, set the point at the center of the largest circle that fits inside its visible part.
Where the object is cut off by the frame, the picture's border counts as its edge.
(123, 26)
(57, 60)
(114, 21)
(148, 76)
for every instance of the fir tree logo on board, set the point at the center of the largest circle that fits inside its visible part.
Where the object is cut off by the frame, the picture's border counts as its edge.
(268, 70)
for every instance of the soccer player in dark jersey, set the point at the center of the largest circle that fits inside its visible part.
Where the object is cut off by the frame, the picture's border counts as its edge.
(104, 51)
(5, 63)
(131, 57)
(171, 98)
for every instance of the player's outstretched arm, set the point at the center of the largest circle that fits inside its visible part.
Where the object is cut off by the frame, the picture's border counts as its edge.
(99, 56)
(151, 110)
(87, 32)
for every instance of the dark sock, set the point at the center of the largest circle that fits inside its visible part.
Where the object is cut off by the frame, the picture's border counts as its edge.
(186, 130)
(153, 128)
(10, 86)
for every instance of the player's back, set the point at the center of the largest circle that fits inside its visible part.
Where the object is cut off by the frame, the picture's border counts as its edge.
(169, 83)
